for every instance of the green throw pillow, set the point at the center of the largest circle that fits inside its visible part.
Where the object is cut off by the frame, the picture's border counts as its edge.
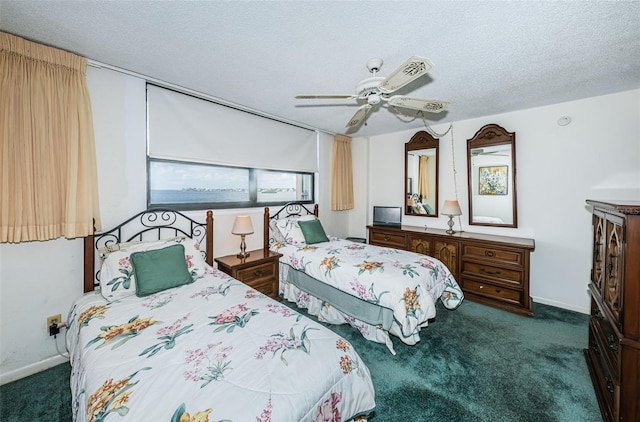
(312, 231)
(160, 269)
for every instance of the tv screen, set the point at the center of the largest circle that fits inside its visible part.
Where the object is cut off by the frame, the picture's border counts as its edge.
(387, 216)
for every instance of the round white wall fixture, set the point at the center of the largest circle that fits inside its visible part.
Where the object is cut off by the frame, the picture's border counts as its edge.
(564, 120)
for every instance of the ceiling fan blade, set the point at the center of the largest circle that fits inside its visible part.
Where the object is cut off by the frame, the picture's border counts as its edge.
(431, 106)
(360, 116)
(409, 71)
(322, 97)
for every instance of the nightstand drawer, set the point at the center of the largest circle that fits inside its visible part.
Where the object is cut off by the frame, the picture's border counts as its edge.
(489, 290)
(497, 273)
(497, 254)
(267, 287)
(248, 275)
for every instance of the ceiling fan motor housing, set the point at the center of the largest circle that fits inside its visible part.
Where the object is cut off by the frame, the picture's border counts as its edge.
(369, 86)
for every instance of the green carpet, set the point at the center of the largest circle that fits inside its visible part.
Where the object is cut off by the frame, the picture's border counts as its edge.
(474, 364)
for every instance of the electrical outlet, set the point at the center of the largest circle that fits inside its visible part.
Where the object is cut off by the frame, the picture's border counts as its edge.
(54, 319)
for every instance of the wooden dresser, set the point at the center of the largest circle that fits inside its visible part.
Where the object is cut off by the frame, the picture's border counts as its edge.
(613, 356)
(493, 270)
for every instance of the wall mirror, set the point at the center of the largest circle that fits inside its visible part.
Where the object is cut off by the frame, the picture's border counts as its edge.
(491, 172)
(421, 175)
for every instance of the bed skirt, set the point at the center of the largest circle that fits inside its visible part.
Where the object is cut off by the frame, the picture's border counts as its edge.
(330, 305)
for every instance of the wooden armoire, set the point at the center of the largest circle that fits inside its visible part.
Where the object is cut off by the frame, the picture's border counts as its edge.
(613, 355)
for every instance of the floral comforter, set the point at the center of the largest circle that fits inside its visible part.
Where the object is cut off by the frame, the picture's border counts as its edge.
(213, 350)
(408, 283)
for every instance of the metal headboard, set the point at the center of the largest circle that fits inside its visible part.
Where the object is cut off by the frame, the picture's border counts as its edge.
(291, 209)
(153, 224)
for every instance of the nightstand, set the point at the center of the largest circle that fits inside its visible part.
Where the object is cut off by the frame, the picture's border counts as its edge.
(258, 270)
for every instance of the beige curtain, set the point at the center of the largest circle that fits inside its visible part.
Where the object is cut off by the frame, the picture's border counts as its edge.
(423, 177)
(48, 182)
(341, 174)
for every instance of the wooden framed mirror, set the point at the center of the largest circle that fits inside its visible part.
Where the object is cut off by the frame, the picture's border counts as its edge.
(421, 175)
(491, 174)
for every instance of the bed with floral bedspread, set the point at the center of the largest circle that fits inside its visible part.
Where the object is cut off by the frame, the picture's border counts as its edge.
(403, 284)
(213, 349)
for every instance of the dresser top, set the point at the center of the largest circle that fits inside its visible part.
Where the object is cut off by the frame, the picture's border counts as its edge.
(507, 240)
(624, 206)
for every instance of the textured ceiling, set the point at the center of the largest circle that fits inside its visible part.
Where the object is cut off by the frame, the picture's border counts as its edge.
(490, 57)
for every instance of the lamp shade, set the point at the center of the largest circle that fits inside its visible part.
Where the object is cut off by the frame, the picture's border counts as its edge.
(451, 207)
(242, 225)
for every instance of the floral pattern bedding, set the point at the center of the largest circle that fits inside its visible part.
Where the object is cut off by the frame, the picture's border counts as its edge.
(408, 283)
(212, 350)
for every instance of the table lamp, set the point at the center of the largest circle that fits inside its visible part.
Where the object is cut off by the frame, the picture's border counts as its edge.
(451, 208)
(242, 226)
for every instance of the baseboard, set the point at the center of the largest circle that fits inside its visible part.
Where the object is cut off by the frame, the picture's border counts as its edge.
(561, 305)
(34, 368)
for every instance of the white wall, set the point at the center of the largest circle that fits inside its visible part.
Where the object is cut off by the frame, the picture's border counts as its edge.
(597, 156)
(39, 279)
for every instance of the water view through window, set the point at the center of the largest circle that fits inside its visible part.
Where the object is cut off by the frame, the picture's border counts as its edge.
(173, 182)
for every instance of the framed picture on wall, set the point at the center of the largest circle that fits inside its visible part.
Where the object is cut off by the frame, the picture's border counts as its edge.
(493, 180)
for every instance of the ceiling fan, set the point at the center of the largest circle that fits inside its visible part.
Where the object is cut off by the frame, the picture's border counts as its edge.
(377, 89)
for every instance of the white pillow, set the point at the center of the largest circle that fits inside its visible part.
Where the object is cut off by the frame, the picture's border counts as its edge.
(275, 231)
(290, 229)
(117, 279)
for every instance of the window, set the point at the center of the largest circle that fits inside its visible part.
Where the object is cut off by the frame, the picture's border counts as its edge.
(186, 185)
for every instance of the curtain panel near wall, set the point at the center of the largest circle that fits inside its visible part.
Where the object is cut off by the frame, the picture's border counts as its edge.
(48, 184)
(341, 174)
(423, 177)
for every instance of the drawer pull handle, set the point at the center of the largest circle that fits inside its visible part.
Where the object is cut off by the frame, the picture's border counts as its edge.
(609, 385)
(498, 290)
(490, 272)
(594, 346)
(386, 237)
(482, 287)
(489, 253)
(257, 273)
(613, 342)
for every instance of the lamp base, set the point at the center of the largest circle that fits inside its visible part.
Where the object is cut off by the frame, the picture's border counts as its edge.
(243, 249)
(450, 223)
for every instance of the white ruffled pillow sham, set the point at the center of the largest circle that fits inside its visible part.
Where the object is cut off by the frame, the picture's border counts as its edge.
(290, 230)
(117, 278)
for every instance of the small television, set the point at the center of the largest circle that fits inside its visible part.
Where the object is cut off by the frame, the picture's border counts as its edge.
(387, 216)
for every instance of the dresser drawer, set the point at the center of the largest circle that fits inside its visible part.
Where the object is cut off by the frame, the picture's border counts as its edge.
(607, 390)
(497, 254)
(608, 342)
(489, 290)
(249, 275)
(392, 240)
(498, 273)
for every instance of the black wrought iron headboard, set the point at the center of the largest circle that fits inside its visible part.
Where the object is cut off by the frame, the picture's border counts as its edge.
(291, 209)
(152, 224)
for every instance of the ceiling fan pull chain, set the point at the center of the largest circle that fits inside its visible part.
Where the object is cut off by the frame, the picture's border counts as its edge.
(435, 134)
(455, 172)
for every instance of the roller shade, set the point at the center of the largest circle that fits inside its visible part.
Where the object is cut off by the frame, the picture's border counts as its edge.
(186, 128)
